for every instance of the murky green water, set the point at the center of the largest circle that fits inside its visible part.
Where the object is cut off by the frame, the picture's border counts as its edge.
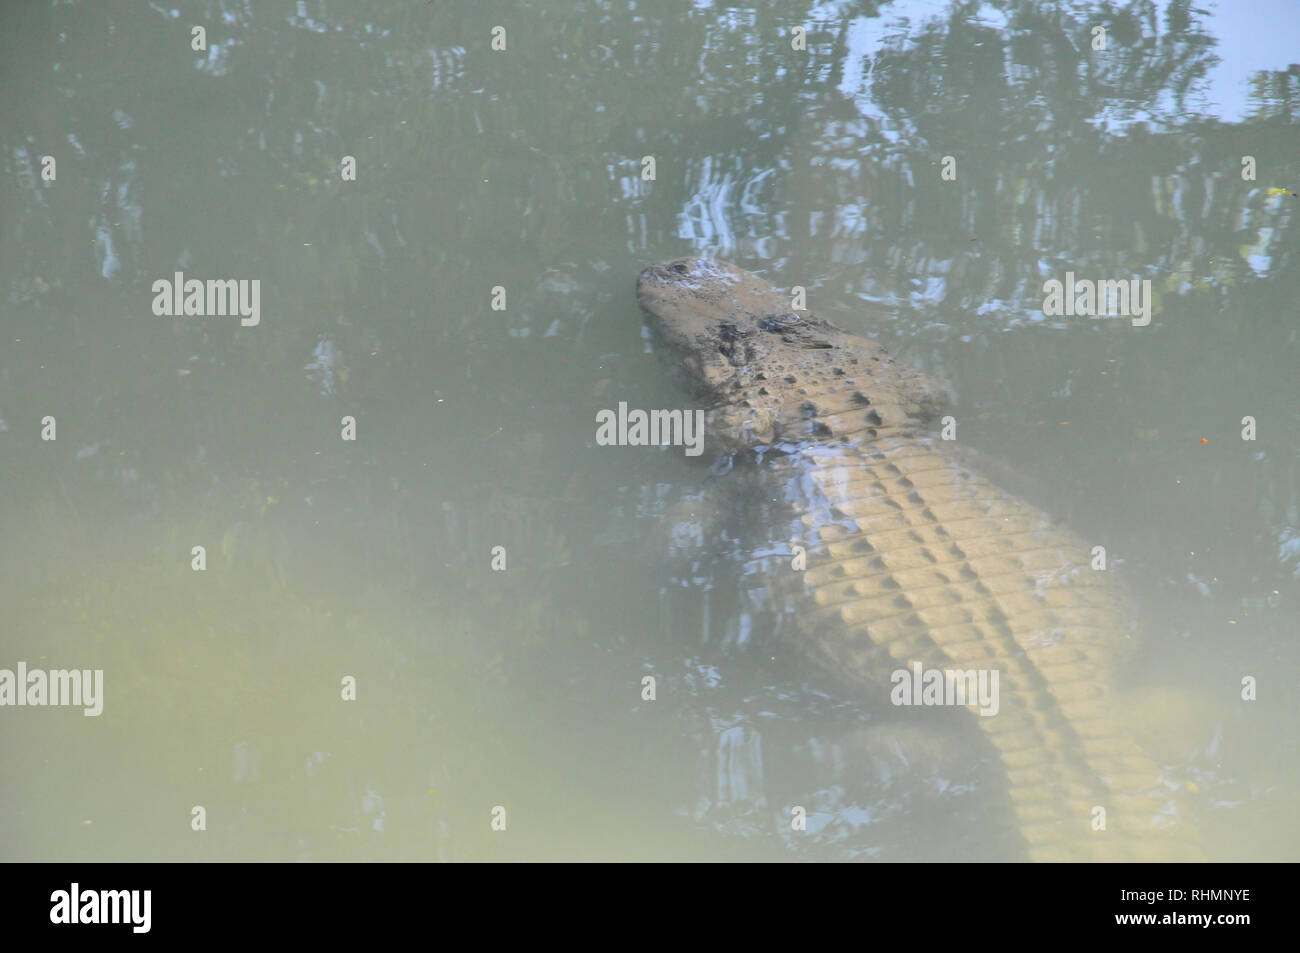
(522, 169)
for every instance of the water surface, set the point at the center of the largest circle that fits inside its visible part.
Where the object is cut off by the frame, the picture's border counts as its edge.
(523, 169)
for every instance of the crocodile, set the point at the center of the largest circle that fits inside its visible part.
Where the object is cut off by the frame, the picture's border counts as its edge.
(915, 558)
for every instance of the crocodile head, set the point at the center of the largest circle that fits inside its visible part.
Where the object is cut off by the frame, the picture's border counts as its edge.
(773, 375)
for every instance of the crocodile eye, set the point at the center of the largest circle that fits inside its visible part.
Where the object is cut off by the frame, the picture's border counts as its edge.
(680, 268)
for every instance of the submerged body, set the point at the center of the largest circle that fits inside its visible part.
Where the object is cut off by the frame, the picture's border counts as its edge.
(915, 561)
